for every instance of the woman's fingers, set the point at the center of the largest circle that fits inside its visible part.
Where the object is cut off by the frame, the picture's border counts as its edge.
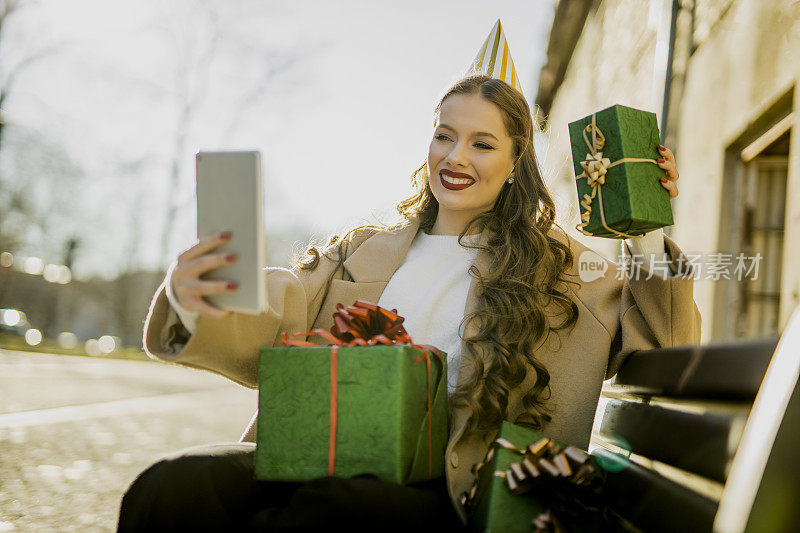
(194, 268)
(197, 287)
(666, 153)
(193, 263)
(671, 171)
(667, 162)
(671, 186)
(204, 245)
(190, 295)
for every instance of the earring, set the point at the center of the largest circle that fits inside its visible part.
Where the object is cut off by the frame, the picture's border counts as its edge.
(510, 180)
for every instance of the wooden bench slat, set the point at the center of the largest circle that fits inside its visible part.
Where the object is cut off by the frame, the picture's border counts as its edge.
(775, 506)
(654, 503)
(723, 370)
(763, 486)
(665, 435)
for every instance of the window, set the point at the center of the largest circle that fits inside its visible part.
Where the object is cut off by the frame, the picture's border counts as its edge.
(752, 224)
(762, 235)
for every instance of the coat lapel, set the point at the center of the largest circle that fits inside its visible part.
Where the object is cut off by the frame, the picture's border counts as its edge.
(369, 267)
(378, 257)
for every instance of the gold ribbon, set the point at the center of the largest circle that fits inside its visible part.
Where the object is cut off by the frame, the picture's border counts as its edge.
(499, 442)
(595, 167)
(563, 480)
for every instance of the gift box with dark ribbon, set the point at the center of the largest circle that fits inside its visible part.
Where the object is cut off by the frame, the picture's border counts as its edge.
(614, 153)
(372, 402)
(529, 482)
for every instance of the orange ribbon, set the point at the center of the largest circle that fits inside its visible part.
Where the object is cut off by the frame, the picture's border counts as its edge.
(334, 410)
(363, 324)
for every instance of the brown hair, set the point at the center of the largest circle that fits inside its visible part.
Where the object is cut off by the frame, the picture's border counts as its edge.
(527, 265)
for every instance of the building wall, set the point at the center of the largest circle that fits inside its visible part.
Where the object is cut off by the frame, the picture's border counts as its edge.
(733, 61)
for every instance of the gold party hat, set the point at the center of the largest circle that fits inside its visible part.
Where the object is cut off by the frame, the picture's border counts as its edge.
(494, 59)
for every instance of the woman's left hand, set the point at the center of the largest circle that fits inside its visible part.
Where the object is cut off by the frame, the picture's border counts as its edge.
(667, 162)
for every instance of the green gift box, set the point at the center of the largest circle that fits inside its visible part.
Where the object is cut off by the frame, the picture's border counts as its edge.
(628, 193)
(381, 413)
(493, 507)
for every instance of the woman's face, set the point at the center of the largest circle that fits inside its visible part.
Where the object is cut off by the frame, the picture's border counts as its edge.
(470, 156)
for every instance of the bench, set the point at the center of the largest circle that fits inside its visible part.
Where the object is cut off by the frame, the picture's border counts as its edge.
(709, 433)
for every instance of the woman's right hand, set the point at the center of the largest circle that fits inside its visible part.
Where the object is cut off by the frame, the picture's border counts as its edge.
(187, 286)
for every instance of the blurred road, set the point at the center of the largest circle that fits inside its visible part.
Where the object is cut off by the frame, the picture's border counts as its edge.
(75, 431)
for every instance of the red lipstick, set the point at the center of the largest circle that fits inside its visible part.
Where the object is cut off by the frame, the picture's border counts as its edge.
(458, 176)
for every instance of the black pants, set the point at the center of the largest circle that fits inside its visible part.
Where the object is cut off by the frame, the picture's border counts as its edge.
(211, 488)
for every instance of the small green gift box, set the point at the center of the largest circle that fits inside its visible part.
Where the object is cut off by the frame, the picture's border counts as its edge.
(614, 153)
(530, 482)
(493, 507)
(378, 396)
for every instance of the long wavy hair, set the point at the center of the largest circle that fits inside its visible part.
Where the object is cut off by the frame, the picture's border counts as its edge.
(526, 268)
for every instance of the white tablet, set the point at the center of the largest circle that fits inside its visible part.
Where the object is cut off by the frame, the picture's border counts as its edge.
(229, 199)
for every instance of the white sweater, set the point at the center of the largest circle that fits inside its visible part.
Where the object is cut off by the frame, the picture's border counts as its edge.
(430, 290)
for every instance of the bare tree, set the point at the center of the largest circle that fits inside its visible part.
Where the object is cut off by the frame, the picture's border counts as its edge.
(11, 201)
(194, 59)
(14, 202)
(190, 85)
(44, 180)
(10, 74)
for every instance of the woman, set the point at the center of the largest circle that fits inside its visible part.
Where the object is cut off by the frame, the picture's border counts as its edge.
(479, 268)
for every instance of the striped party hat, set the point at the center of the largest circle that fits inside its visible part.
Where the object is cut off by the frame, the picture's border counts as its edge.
(494, 59)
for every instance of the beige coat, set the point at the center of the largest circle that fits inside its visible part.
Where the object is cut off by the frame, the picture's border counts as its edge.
(616, 317)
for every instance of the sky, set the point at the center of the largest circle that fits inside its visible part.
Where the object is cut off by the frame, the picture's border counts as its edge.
(117, 96)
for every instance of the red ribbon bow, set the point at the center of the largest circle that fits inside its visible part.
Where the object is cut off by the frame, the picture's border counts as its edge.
(363, 324)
